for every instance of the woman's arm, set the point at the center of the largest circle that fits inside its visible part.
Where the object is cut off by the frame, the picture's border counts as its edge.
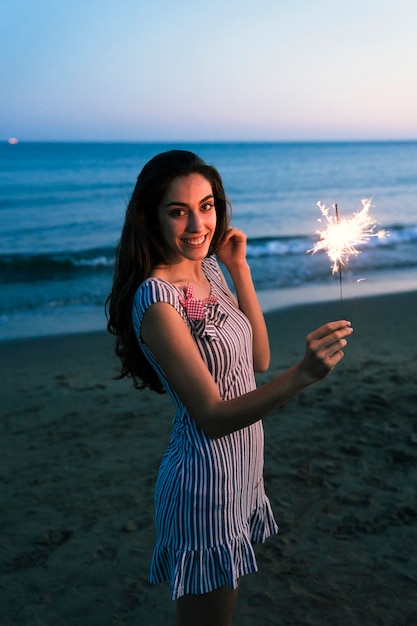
(169, 339)
(233, 255)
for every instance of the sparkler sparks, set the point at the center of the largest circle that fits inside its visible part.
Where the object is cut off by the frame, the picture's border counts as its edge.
(342, 236)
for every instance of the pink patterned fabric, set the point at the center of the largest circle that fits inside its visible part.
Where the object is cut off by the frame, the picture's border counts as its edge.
(196, 309)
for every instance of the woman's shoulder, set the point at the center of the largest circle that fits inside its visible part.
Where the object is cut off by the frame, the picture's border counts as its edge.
(151, 291)
(154, 290)
(215, 275)
(212, 268)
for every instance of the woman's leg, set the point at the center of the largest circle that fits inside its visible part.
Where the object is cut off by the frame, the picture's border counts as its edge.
(208, 609)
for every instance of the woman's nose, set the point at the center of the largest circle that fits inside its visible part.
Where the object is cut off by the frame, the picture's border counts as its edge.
(194, 222)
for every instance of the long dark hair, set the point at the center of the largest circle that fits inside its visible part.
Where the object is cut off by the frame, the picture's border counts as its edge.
(141, 248)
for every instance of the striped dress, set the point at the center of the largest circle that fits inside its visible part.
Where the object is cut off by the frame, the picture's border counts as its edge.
(210, 502)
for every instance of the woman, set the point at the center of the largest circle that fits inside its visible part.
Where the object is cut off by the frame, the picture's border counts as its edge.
(180, 329)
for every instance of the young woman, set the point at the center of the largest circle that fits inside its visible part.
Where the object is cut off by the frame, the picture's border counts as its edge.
(179, 329)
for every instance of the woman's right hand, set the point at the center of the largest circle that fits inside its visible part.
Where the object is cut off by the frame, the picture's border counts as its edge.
(324, 349)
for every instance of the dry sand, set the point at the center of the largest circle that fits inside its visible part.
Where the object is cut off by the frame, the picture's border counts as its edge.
(79, 454)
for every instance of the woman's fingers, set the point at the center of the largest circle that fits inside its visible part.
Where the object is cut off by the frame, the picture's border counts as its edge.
(327, 330)
(325, 348)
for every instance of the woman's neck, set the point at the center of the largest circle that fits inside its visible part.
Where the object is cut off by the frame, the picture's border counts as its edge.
(181, 274)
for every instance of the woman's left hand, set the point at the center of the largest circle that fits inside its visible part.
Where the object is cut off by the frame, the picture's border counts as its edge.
(232, 251)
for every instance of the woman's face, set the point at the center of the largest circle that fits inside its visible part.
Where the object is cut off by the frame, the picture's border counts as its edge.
(187, 218)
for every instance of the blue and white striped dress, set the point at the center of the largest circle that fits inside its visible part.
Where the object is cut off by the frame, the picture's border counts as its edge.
(209, 499)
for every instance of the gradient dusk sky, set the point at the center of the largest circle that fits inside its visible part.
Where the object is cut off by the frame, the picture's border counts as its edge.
(232, 70)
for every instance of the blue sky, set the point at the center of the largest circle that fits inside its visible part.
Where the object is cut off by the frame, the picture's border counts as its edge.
(144, 70)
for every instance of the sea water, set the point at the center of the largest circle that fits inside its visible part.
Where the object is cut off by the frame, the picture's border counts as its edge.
(62, 207)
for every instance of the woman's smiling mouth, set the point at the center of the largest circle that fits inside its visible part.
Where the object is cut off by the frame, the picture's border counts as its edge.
(195, 242)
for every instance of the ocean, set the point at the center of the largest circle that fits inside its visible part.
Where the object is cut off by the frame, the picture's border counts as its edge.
(62, 208)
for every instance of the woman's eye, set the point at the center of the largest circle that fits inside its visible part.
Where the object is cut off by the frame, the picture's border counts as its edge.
(208, 206)
(177, 213)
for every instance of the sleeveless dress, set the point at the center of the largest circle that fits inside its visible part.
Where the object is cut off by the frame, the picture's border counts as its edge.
(210, 502)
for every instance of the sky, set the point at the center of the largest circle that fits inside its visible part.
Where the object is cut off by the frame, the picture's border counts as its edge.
(221, 70)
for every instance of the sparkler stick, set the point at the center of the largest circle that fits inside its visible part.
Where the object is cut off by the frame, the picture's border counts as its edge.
(340, 266)
(342, 236)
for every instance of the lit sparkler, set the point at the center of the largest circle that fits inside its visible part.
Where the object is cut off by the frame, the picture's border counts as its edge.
(342, 236)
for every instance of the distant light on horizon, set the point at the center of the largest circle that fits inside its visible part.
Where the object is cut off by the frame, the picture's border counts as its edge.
(12, 141)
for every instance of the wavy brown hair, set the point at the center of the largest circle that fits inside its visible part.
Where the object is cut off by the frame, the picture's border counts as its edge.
(141, 248)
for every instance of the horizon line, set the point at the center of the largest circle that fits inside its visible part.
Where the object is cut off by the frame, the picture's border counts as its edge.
(13, 141)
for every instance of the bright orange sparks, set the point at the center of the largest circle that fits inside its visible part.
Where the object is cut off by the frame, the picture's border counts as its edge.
(342, 236)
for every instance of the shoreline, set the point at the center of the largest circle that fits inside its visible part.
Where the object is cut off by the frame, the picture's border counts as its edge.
(270, 309)
(80, 453)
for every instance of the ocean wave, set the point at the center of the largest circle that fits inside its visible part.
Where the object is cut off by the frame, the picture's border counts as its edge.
(396, 250)
(28, 267)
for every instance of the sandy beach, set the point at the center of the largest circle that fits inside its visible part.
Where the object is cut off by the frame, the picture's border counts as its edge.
(80, 452)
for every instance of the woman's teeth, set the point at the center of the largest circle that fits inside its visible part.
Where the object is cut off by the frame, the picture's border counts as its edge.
(196, 241)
